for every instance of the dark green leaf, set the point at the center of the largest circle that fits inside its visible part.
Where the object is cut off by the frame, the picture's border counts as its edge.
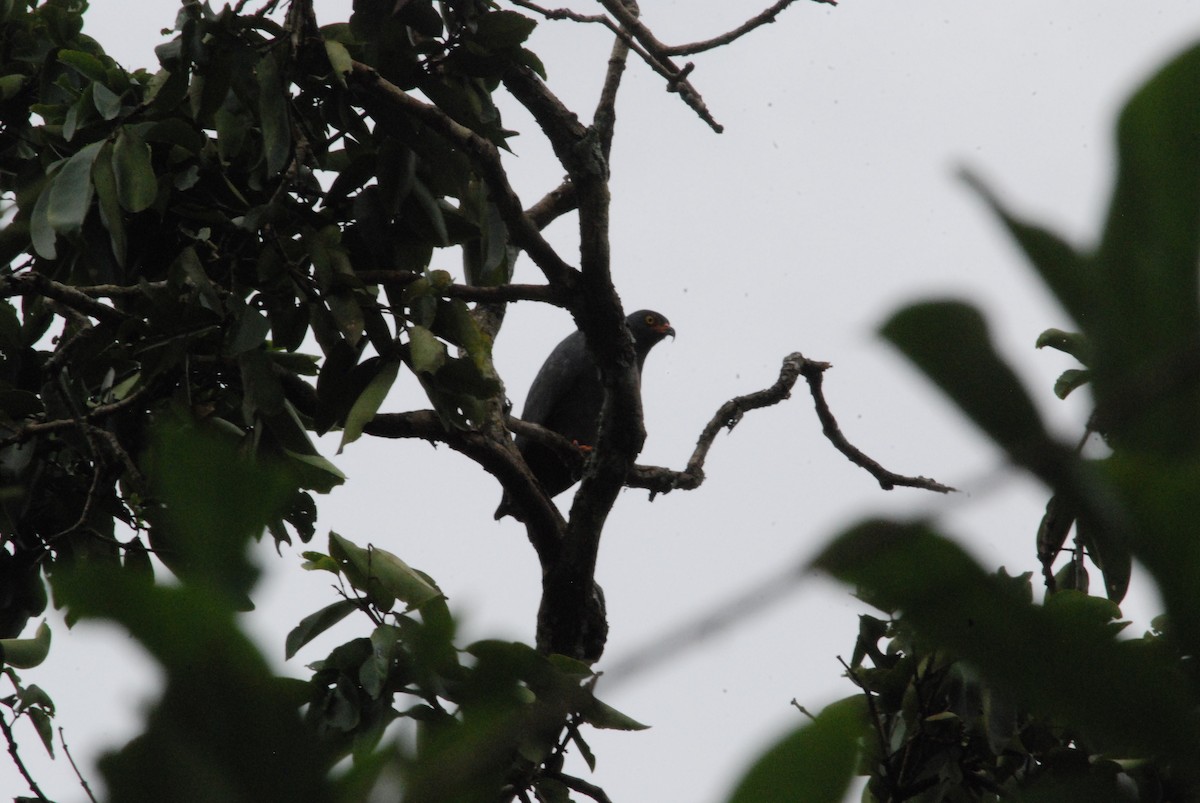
(1059, 661)
(262, 389)
(104, 178)
(500, 30)
(1071, 343)
(273, 111)
(813, 763)
(427, 352)
(949, 342)
(1069, 380)
(71, 192)
(368, 402)
(41, 233)
(137, 186)
(85, 64)
(381, 574)
(317, 623)
(26, 653)
(45, 731)
(107, 102)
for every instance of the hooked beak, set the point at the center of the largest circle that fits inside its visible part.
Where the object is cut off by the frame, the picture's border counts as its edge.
(665, 329)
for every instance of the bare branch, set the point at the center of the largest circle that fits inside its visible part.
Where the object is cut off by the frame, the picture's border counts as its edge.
(649, 49)
(581, 786)
(661, 60)
(16, 757)
(604, 119)
(765, 17)
(659, 480)
(87, 789)
(813, 372)
(509, 292)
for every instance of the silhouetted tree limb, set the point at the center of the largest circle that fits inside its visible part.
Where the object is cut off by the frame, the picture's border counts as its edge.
(663, 480)
(763, 18)
(31, 283)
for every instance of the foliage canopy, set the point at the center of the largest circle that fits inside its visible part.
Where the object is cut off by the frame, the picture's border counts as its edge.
(176, 238)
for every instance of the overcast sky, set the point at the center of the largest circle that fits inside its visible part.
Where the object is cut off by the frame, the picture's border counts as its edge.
(829, 201)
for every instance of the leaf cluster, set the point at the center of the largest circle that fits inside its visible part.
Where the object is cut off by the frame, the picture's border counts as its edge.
(972, 690)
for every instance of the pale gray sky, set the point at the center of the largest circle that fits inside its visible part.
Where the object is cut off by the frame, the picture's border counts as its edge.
(829, 200)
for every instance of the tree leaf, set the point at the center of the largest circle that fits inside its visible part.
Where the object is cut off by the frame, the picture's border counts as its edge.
(71, 192)
(315, 624)
(45, 731)
(104, 178)
(428, 354)
(1071, 343)
(600, 714)
(41, 233)
(381, 575)
(1059, 661)
(1069, 380)
(107, 102)
(26, 653)
(368, 402)
(339, 59)
(501, 30)
(137, 186)
(273, 111)
(813, 763)
(949, 342)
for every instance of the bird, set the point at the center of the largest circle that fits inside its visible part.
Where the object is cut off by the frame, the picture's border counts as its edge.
(566, 396)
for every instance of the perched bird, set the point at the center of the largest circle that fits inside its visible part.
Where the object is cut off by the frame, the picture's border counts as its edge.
(566, 396)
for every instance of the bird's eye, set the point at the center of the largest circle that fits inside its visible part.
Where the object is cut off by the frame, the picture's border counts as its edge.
(649, 320)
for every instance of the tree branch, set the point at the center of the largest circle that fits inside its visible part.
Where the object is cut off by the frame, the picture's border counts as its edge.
(509, 292)
(661, 60)
(604, 119)
(659, 480)
(553, 205)
(500, 458)
(381, 96)
(30, 283)
(639, 39)
(765, 17)
(16, 757)
(813, 372)
(31, 429)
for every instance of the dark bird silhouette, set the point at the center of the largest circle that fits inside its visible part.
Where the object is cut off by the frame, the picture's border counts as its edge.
(566, 396)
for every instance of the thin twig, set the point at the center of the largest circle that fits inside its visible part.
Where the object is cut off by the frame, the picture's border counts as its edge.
(639, 39)
(581, 786)
(661, 61)
(813, 372)
(16, 757)
(765, 17)
(87, 789)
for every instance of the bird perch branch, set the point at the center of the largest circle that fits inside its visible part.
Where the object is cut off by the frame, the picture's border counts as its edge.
(664, 480)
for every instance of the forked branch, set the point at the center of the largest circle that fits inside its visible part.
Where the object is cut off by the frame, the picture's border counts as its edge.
(663, 480)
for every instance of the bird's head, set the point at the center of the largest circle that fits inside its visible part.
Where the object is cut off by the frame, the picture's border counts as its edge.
(648, 327)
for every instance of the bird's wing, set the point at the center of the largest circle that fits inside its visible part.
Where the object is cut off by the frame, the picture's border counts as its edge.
(561, 372)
